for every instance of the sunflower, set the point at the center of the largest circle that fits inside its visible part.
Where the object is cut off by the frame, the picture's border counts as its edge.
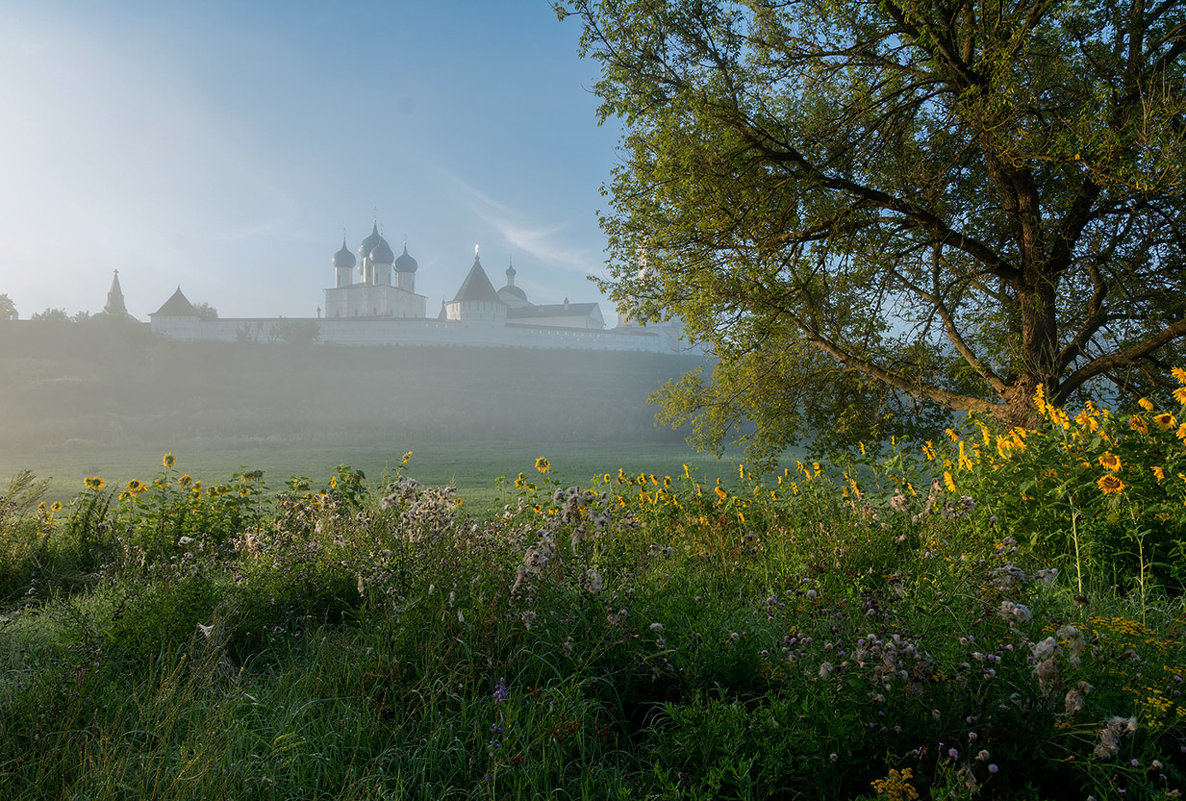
(543, 465)
(1158, 473)
(1179, 374)
(721, 493)
(185, 480)
(1110, 461)
(1180, 395)
(56, 506)
(135, 485)
(1145, 404)
(93, 482)
(168, 460)
(948, 481)
(1165, 420)
(1138, 424)
(1111, 484)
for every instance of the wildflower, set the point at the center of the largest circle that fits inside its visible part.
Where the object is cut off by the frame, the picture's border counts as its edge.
(1111, 485)
(1114, 729)
(721, 493)
(168, 460)
(528, 618)
(56, 506)
(1158, 473)
(825, 670)
(1044, 649)
(185, 480)
(1165, 420)
(543, 465)
(1179, 374)
(656, 627)
(948, 481)
(1138, 425)
(1180, 395)
(1145, 404)
(93, 482)
(1110, 461)
(594, 582)
(1015, 612)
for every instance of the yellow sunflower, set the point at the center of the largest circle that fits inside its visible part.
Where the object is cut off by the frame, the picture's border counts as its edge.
(1138, 424)
(543, 465)
(1110, 461)
(1165, 420)
(1111, 484)
(168, 460)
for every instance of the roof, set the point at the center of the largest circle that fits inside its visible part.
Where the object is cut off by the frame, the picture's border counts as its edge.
(555, 310)
(477, 286)
(176, 306)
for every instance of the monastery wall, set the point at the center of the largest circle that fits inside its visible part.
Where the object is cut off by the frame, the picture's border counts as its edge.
(374, 331)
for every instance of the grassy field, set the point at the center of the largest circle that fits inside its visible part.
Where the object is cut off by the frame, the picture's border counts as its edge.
(804, 635)
(994, 614)
(474, 468)
(92, 399)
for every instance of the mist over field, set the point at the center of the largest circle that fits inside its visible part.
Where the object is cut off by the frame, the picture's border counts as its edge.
(101, 396)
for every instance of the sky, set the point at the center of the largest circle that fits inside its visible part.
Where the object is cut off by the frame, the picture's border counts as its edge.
(225, 147)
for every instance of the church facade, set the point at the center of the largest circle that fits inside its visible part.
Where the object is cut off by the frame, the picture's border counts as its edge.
(373, 301)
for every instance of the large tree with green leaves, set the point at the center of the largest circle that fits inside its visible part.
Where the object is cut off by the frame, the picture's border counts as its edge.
(868, 205)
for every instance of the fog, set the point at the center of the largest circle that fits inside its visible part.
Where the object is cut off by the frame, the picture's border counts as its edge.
(105, 387)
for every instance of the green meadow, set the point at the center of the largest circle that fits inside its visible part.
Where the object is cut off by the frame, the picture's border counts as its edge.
(991, 614)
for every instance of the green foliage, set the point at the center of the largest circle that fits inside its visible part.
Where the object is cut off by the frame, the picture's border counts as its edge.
(824, 631)
(1099, 494)
(868, 206)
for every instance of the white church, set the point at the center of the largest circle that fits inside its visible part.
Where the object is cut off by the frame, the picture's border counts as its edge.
(373, 301)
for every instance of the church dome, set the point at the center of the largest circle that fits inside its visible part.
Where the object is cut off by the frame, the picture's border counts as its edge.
(381, 253)
(368, 244)
(405, 263)
(508, 292)
(344, 258)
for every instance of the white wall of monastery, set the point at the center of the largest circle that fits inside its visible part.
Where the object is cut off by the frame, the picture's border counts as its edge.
(372, 331)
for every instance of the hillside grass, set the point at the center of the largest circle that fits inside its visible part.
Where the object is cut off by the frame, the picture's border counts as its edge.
(831, 631)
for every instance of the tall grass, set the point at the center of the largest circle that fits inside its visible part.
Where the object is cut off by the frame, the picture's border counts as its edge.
(823, 632)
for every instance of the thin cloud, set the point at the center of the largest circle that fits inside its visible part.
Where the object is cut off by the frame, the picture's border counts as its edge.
(541, 242)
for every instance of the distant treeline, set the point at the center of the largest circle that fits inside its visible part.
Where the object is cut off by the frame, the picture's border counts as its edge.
(104, 380)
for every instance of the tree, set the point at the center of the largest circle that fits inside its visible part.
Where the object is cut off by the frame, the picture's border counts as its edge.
(896, 203)
(299, 333)
(7, 308)
(52, 316)
(206, 311)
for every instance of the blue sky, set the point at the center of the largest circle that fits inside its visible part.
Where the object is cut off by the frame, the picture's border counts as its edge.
(223, 146)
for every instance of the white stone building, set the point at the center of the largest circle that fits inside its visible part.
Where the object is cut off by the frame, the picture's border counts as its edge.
(374, 302)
